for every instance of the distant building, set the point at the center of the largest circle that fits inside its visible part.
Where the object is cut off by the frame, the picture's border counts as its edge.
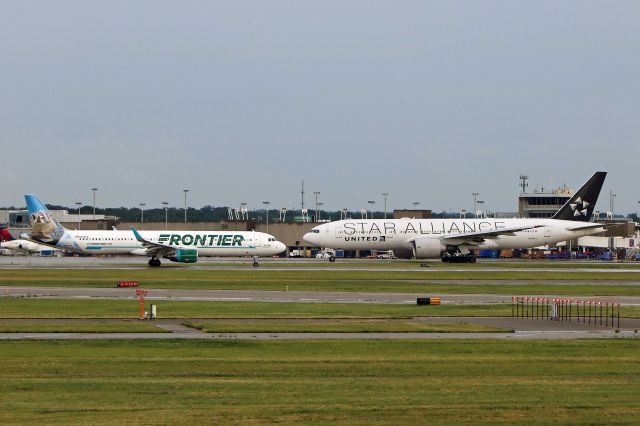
(20, 219)
(541, 204)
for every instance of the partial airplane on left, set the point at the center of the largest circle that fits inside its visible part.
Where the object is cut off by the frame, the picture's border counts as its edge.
(23, 246)
(176, 246)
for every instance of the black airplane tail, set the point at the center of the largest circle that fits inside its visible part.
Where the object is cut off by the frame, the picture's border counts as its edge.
(580, 207)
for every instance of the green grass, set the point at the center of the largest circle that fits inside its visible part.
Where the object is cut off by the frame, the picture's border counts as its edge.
(320, 382)
(104, 308)
(79, 328)
(473, 280)
(351, 326)
(11, 307)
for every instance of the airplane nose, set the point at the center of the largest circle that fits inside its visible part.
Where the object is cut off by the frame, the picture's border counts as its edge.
(281, 247)
(308, 237)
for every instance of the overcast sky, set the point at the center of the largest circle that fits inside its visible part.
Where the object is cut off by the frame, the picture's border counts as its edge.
(239, 101)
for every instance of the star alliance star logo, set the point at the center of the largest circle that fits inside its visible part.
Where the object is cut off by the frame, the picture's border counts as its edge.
(580, 207)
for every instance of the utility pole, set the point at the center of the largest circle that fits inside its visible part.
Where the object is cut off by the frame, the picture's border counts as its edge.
(475, 204)
(611, 197)
(302, 193)
(79, 204)
(165, 204)
(316, 193)
(185, 204)
(94, 202)
(142, 212)
(385, 195)
(266, 204)
(371, 203)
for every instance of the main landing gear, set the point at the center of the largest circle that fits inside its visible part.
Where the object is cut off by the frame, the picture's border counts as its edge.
(458, 258)
(154, 261)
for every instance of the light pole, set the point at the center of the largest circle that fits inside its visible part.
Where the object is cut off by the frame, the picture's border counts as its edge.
(164, 205)
(463, 214)
(475, 203)
(481, 202)
(319, 212)
(416, 204)
(371, 203)
(79, 204)
(611, 197)
(316, 193)
(385, 195)
(94, 202)
(243, 206)
(185, 204)
(142, 212)
(266, 204)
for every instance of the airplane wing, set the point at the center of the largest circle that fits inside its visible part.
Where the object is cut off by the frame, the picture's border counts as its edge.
(480, 236)
(154, 249)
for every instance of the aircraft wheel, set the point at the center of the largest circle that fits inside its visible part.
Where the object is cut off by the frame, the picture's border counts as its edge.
(255, 264)
(445, 259)
(472, 259)
(154, 262)
(151, 262)
(332, 258)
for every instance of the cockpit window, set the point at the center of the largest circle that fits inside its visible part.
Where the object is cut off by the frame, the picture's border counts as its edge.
(272, 239)
(315, 231)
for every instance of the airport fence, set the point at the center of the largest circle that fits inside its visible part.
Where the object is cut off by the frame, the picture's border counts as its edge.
(583, 311)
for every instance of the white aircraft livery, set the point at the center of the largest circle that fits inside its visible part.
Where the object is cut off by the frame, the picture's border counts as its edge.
(24, 246)
(177, 246)
(454, 240)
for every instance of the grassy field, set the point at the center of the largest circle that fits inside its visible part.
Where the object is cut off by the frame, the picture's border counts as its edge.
(474, 280)
(320, 382)
(11, 307)
(339, 326)
(133, 327)
(103, 308)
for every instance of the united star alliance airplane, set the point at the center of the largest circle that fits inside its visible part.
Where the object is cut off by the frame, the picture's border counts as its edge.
(177, 246)
(454, 239)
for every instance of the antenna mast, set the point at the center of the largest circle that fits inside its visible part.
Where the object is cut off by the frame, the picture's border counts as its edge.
(523, 183)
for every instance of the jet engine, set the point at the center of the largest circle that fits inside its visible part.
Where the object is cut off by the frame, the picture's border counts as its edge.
(427, 248)
(184, 256)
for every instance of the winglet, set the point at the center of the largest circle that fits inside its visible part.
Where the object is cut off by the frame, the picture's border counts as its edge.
(137, 235)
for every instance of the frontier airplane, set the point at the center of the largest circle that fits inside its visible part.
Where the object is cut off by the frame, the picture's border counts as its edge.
(177, 246)
(454, 239)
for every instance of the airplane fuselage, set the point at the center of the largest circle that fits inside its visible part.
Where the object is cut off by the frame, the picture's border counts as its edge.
(25, 246)
(400, 234)
(208, 243)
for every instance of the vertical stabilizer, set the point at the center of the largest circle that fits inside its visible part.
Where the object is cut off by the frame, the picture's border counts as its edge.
(5, 235)
(580, 206)
(44, 227)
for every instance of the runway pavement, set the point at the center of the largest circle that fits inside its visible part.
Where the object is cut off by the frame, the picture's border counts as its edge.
(283, 264)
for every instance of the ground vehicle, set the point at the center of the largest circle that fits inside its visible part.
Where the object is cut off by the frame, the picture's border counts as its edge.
(386, 255)
(325, 255)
